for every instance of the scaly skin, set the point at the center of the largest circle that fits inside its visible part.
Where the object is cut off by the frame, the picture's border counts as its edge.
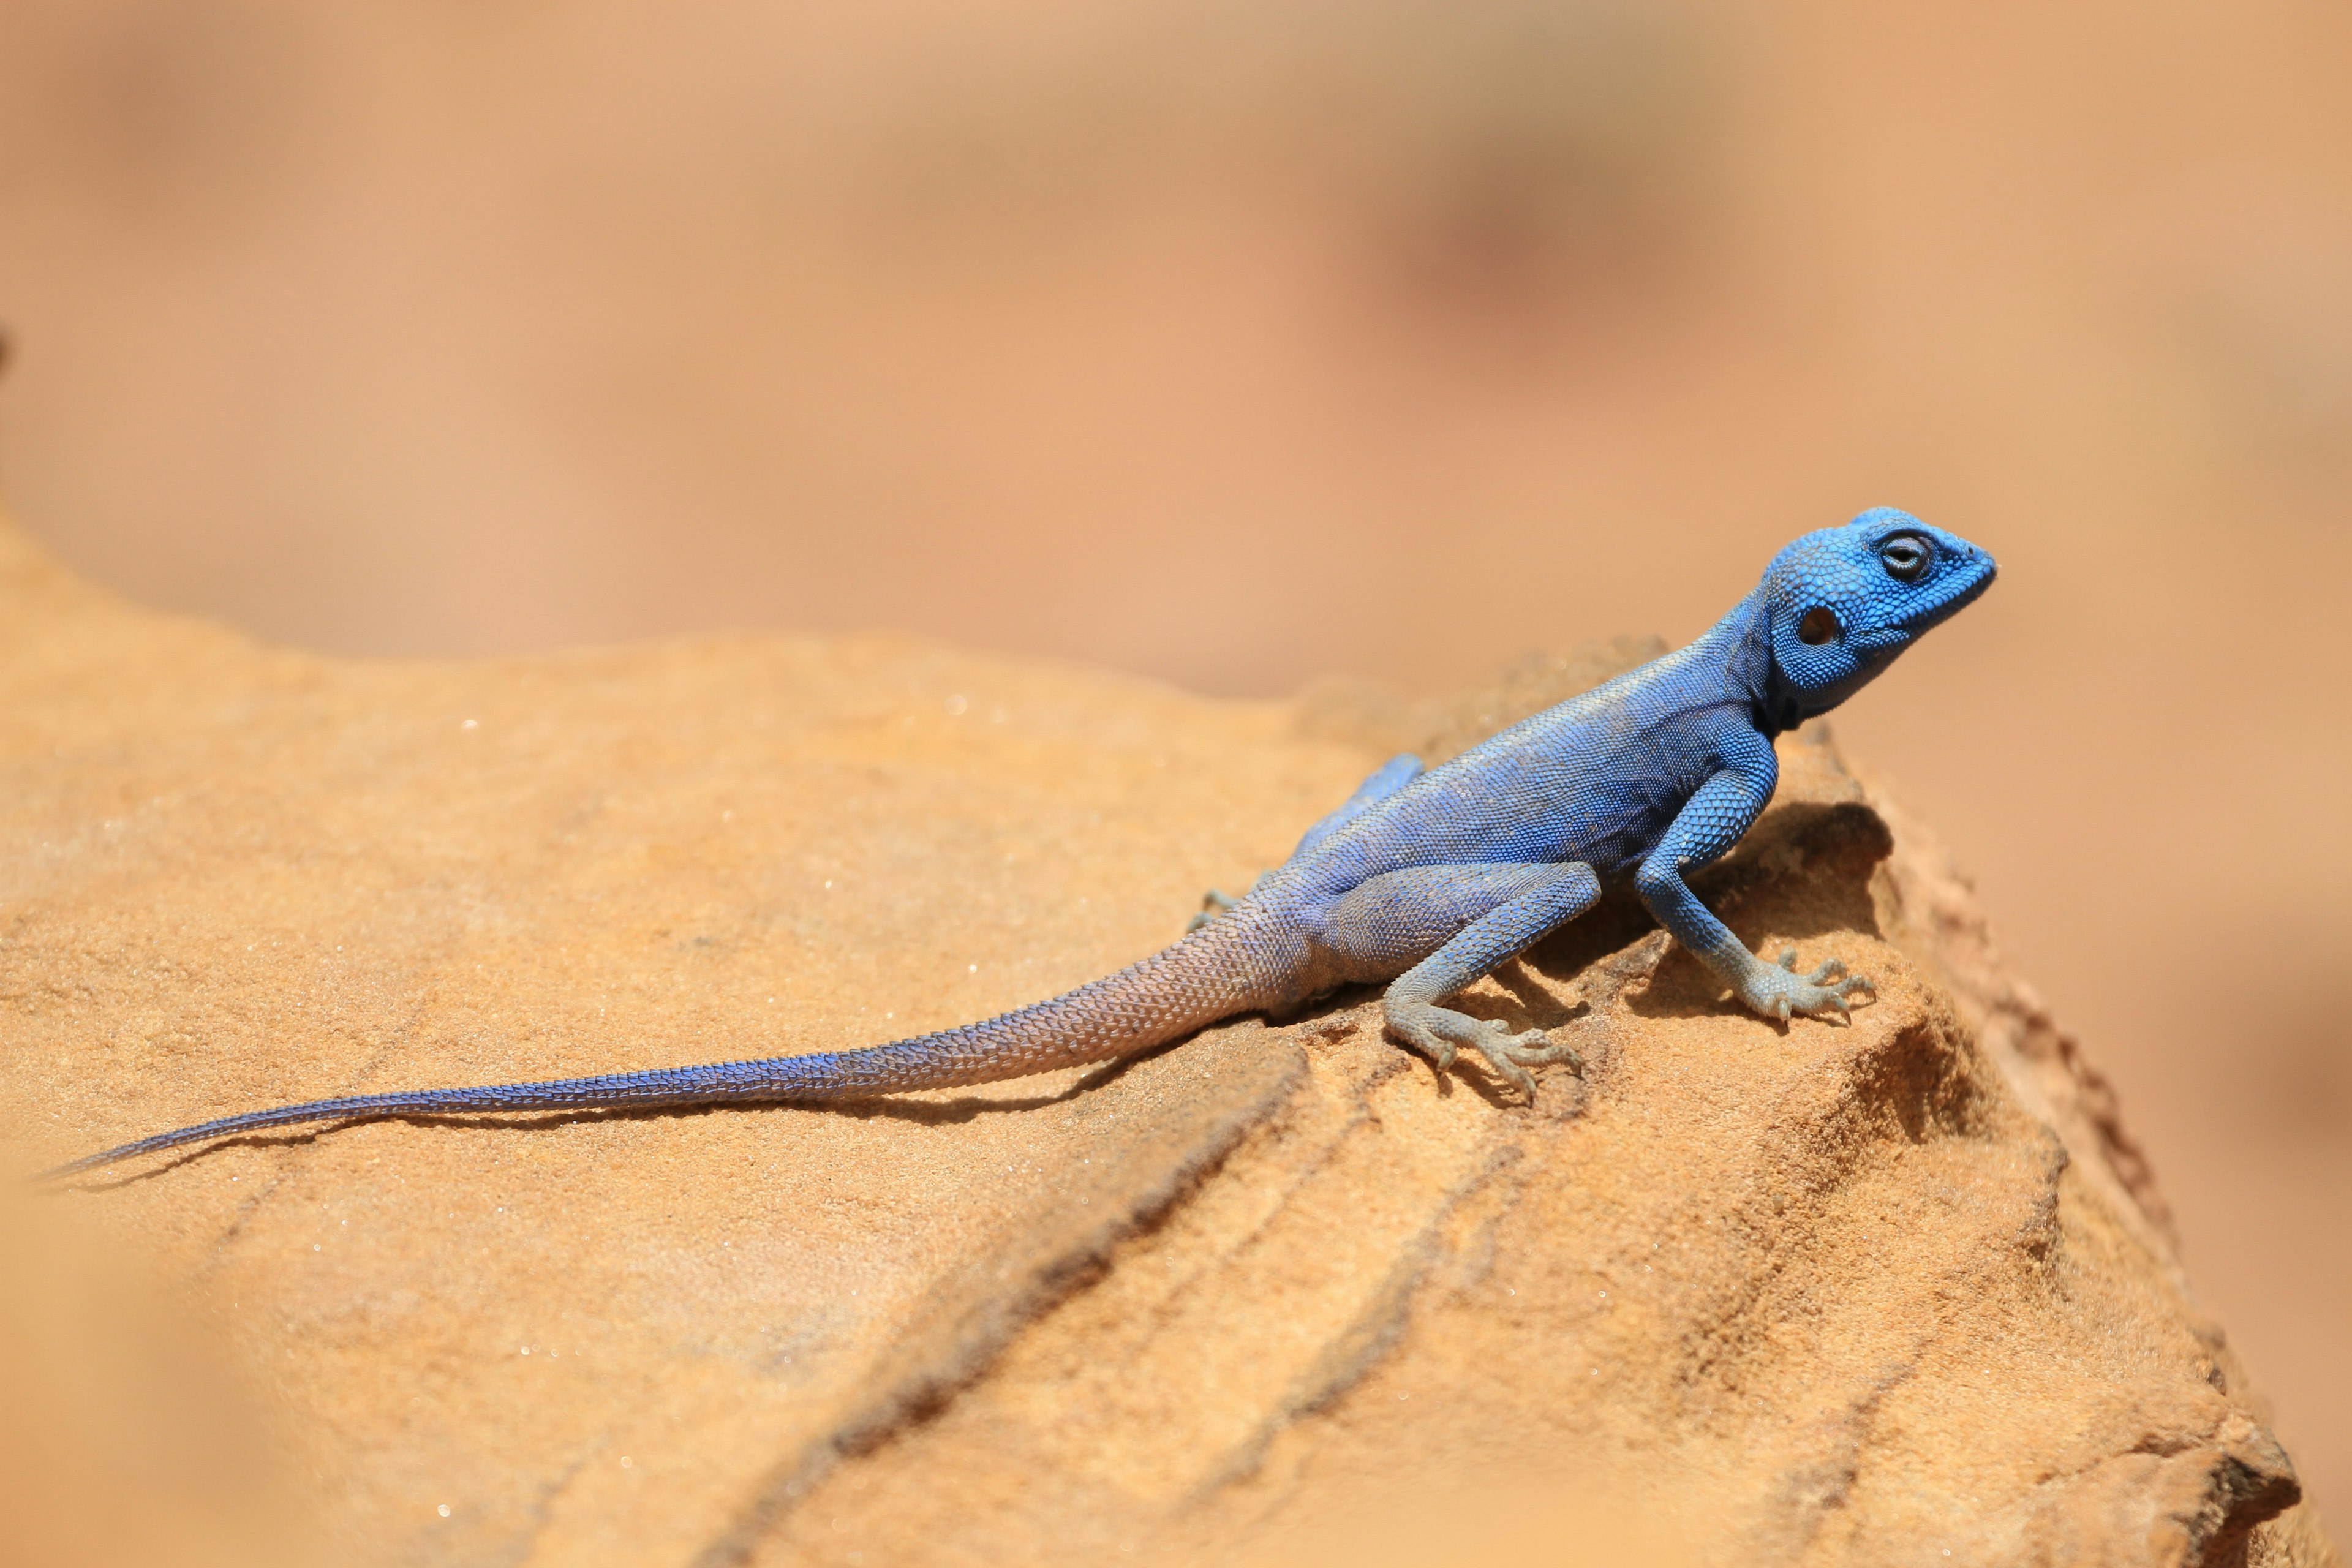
(1424, 879)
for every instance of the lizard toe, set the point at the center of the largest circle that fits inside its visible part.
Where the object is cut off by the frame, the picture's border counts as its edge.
(1512, 1054)
(1499, 1057)
(1413, 1027)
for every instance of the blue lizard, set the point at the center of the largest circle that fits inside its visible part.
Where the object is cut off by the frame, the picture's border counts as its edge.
(1424, 880)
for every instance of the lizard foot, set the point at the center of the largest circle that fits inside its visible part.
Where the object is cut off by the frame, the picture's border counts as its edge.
(1213, 904)
(1781, 993)
(1436, 1032)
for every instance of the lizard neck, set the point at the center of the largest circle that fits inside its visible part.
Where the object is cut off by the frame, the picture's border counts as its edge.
(1739, 648)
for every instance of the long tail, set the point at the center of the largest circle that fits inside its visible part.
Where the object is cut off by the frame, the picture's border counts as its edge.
(1233, 967)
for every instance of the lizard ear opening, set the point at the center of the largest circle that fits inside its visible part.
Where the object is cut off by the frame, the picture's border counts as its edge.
(1819, 626)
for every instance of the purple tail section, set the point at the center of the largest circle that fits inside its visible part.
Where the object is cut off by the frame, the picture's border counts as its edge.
(1226, 968)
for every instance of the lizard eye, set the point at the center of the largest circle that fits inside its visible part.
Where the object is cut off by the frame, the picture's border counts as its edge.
(1905, 557)
(1819, 626)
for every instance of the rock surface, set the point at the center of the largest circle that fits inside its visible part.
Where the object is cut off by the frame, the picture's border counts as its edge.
(1898, 1291)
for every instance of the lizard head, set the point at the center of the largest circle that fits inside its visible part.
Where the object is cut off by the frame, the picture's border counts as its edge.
(1845, 601)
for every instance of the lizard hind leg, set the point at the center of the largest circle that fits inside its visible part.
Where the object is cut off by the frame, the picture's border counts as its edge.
(1445, 926)
(1213, 903)
(1216, 903)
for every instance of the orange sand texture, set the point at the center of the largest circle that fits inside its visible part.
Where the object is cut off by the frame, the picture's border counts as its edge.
(1238, 347)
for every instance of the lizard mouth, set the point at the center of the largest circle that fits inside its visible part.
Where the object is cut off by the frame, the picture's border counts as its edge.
(1877, 640)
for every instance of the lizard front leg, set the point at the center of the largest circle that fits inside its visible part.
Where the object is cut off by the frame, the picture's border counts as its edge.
(1710, 823)
(1452, 924)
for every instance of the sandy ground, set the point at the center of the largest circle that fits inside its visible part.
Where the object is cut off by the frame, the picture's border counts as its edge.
(1244, 348)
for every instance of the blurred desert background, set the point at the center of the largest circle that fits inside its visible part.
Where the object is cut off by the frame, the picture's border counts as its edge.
(1248, 346)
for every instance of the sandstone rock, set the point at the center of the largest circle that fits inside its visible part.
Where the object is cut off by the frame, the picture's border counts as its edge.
(1749, 1293)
